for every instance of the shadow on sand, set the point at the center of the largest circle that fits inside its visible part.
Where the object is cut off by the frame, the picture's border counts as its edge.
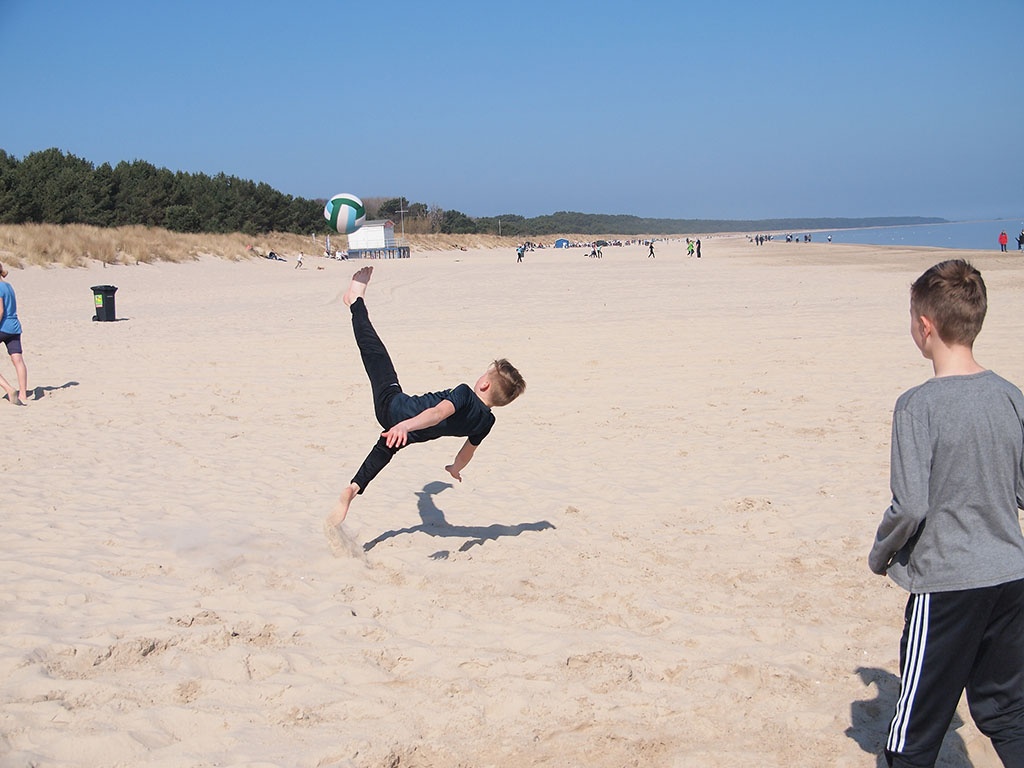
(869, 722)
(39, 393)
(434, 524)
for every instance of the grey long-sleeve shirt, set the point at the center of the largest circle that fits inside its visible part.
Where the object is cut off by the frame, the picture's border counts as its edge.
(957, 478)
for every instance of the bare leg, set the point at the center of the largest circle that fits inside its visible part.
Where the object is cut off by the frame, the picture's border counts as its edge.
(11, 394)
(19, 366)
(358, 285)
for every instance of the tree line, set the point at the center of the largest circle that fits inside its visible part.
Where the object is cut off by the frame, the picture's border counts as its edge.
(54, 187)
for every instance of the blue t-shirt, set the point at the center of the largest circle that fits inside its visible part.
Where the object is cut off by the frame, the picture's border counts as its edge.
(471, 419)
(9, 321)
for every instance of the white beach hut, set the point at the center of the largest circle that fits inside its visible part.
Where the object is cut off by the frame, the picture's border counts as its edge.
(373, 235)
(376, 240)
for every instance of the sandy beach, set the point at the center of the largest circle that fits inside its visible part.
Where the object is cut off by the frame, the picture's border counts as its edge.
(657, 557)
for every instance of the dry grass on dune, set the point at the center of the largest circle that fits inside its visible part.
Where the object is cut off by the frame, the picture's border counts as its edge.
(76, 245)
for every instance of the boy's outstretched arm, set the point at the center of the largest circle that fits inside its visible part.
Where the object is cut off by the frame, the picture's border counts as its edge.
(398, 435)
(462, 458)
(910, 466)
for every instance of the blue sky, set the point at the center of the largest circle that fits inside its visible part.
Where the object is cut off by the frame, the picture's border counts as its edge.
(667, 109)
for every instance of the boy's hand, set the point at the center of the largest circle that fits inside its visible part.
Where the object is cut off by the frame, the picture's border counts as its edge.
(451, 470)
(397, 436)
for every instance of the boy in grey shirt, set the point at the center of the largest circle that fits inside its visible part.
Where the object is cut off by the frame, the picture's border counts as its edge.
(952, 536)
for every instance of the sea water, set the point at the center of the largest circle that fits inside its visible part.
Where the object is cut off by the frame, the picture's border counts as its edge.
(964, 235)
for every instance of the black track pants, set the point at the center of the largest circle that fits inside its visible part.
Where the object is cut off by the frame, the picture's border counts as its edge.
(384, 384)
(971, 639)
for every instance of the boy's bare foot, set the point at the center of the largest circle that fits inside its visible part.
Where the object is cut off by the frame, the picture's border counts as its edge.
(340, 511)
(357, 287)
(341, 543)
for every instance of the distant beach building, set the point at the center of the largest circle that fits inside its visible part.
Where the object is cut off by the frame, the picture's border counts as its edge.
(376, 240)
(561, 243)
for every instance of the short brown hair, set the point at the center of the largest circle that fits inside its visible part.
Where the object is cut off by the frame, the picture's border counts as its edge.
(952, 295)
(506, 382)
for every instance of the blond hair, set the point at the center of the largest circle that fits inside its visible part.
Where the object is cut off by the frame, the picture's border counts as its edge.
(952, 295)
(506, 382)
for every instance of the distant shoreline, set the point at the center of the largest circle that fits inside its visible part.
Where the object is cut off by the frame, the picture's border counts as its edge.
(920, 224)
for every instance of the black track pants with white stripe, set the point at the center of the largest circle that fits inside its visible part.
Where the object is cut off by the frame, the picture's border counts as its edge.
(973, 640)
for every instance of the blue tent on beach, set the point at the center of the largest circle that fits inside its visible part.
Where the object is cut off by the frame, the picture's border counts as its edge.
(561, 243)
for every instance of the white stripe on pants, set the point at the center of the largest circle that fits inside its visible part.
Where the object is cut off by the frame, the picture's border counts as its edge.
(911, 673)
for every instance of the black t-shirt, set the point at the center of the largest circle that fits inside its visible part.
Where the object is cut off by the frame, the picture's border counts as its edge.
(471, 419)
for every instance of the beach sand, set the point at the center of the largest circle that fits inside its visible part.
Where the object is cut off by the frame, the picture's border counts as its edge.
(657, 558)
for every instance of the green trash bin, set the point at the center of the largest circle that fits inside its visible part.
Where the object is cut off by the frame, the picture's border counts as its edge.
(103, 298)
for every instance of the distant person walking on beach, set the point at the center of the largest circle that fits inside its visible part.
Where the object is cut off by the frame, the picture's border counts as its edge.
(1020, 241)
(519, 253)
(651, 254)
(689, 247)
(1003, 240)
(463, 411)
(10, 335)
(698, 247)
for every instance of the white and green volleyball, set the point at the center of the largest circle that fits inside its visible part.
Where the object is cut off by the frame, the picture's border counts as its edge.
(345, 213)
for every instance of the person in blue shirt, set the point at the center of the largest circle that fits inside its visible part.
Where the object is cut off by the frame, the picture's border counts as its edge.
(463, 411)
(10, 335)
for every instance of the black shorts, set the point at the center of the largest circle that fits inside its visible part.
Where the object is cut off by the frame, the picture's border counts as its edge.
(13, 342)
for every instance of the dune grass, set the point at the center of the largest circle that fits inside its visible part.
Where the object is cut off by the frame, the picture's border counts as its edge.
(78, 245)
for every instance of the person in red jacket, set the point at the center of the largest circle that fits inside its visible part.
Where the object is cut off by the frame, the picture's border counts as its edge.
(1003, 240)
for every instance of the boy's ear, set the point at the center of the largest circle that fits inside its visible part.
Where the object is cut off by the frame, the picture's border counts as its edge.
(485, 385)
(927, 326)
